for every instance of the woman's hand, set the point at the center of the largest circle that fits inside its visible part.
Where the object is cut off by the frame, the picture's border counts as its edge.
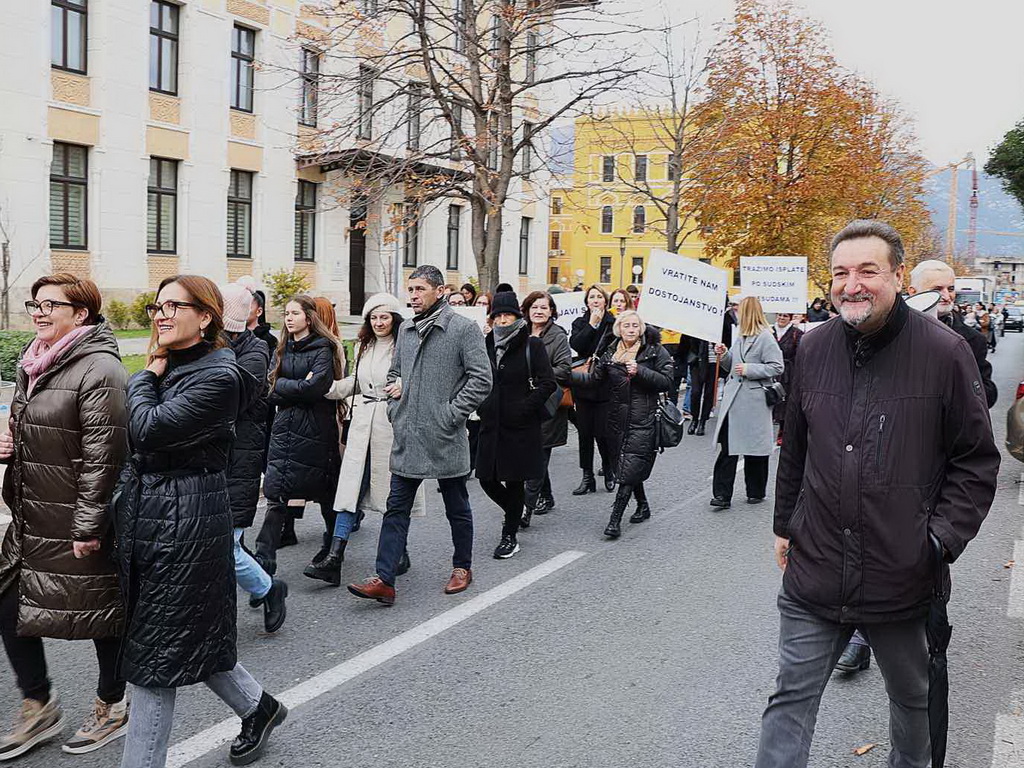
(631, 368)
(740, 369)
(157, 365)
(86, 548)
(595, 317)
(6, 445)
(721, 349)
(394, 390)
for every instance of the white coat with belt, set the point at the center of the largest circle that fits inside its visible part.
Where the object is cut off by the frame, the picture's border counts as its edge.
(370, 434)
(750, 418)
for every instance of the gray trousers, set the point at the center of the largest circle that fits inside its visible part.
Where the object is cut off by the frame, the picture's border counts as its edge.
(809, 648)
(152, 714)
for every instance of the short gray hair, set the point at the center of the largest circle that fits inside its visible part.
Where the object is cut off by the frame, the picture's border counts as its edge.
(861, 228)
(929, 265)
(430, 273)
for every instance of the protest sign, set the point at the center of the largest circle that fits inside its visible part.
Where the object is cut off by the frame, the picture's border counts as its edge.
(477, 314)
(685, 295)
(780, 282)
(570, 306)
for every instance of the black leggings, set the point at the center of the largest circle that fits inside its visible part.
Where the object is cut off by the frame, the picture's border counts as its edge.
(702, 396)
(268, 541)
(590, 423)
(29, 661)
(508, 495)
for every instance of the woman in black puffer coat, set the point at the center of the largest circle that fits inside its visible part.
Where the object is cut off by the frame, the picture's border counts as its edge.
(174, 529)
(303, 459)
(635, 370)
(591, 335)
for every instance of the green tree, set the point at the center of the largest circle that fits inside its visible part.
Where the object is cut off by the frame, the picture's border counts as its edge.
(1006, 161)
(283, 285)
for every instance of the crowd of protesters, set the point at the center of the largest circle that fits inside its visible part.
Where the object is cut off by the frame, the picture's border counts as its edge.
(131, 498)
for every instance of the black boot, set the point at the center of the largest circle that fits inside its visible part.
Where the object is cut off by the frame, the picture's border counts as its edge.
(324, 548)
(587, 485)
(524, 521)
(614, 528)
(643, 512)
(700, 429)
(404, 564)
(609, 479)
(288, 538)
(329, 568)
(856, 658)
(274, 608)
(256, 729)
(692, 428)
(359, 521)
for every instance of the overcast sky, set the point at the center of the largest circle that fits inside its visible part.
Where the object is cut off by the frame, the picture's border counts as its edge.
(957, 67)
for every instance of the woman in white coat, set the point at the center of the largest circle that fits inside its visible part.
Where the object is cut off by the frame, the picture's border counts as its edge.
(745, 420)
(365, 469)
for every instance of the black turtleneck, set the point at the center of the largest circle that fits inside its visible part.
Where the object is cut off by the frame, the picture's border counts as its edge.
(179, 357)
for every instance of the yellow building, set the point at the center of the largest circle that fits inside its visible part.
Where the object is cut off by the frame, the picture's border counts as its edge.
(604, 217)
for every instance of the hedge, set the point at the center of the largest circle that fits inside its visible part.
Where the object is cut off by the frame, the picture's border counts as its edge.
(11, 344)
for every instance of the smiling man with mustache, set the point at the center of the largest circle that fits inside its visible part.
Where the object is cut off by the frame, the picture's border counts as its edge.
(888, 446)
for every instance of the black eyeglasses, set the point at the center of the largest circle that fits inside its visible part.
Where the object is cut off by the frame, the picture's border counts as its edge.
(168, 309)
(45, 308)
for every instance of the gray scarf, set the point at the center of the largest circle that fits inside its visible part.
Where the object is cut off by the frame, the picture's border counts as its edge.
(503, 335)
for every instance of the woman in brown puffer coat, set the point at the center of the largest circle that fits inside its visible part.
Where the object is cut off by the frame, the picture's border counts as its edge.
(67, 442)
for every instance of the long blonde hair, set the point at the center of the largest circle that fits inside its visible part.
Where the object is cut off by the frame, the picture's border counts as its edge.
(752, 319)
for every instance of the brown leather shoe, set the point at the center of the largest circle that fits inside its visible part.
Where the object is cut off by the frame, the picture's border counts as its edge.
(374, 589)
(460, 580)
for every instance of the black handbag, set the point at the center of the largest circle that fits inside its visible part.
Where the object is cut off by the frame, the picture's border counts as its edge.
(552, 404)
(774, 393)
(670, 424)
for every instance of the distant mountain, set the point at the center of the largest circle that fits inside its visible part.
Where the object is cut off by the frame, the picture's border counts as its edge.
(997, 212)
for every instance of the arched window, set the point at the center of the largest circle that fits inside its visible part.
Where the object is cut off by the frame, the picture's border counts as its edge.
(607, 220)
(639, 220)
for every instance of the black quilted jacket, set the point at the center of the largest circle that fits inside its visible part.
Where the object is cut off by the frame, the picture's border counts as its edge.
(173, 516)
(245, 467)
(303, 459)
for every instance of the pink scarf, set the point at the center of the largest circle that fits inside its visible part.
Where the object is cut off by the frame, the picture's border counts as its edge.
(40, 356)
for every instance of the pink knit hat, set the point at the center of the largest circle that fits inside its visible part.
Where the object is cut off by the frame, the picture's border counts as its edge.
(237, 301)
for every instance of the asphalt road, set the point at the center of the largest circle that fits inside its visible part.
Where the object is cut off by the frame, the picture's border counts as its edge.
(658, 649)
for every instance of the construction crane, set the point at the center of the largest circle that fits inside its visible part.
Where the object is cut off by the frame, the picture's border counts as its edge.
(972, 228)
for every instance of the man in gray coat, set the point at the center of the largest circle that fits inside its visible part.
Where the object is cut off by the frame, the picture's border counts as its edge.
(439, 375)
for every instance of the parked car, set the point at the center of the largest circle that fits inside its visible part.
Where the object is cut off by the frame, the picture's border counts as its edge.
(1014, 320)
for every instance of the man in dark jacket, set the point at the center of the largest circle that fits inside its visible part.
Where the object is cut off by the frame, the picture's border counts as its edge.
(888, 443)
(245, 464)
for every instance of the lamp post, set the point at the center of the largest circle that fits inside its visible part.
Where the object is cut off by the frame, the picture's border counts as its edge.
(622, 257)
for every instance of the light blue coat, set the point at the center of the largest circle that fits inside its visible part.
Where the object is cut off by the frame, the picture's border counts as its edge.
(750, 418)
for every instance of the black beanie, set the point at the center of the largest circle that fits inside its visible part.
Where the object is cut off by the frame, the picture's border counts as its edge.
(505, 303)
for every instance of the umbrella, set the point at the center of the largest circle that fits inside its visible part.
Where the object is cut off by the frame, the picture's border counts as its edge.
(938, 631)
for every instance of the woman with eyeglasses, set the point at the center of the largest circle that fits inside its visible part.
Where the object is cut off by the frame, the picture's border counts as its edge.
(303, 459)
(174, 528)
(65, 446)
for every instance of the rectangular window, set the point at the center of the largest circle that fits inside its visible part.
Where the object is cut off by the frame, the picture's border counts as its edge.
(454, 226)
(531, 57)
(453, 149)
(553, 276)
(524, 246)
(162, 206)
(364, 93)
(310, 81)
(607, 220)
(163, 47)
(243, 53)
(415, 109)
(640, 168)
(608, 168)
(69, 196)
(411, 236)
(606, 270)
(639, 220)
(240, 215)
(305, 221)
(638, 274)
(672, 168)
(556, 240)
(68, 35)
(527, 149)
(556, 206)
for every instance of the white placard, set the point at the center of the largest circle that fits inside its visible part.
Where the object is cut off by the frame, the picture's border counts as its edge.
(780, 282)
(685, 295)
(477, 314)
(569, 306)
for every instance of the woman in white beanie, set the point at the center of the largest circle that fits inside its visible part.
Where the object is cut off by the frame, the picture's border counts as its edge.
(365, 470)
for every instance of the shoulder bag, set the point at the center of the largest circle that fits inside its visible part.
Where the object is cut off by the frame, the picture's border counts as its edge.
(670, 424)
(554, 402)
(584, 366)
(774, 392)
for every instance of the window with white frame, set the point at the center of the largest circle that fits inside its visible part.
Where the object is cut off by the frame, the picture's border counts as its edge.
(309, 78)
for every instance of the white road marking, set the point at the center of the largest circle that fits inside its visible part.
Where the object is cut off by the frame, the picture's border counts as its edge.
(739, 468)
(205, 741)
(1016, 607)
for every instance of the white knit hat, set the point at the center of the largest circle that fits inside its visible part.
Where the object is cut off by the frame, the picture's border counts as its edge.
(382, 301)
(237, 301)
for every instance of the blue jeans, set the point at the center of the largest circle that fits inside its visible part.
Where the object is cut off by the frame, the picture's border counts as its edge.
(248, 573)
(149, 727)
(394, 530)
(809, 648)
